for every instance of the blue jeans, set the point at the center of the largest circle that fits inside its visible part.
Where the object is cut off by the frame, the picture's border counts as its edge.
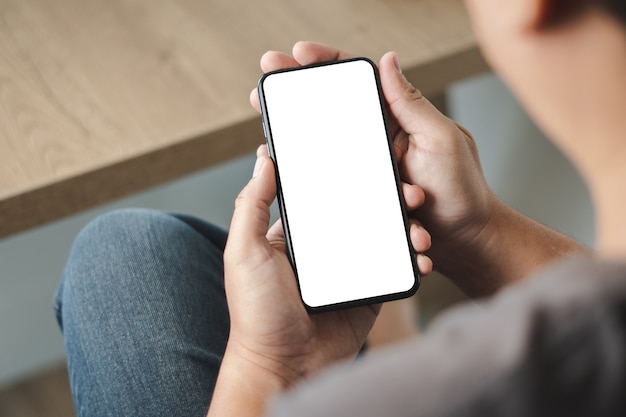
(143, 313)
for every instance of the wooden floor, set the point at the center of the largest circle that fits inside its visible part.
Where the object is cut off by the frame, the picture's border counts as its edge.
(47, 394)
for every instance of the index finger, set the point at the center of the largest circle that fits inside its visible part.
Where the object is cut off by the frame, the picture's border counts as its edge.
(306, 53)
(271, 61)
(276, 231)
(274, 60)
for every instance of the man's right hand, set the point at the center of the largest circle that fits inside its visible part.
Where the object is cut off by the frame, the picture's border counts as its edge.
(477, 241)
(440, 157)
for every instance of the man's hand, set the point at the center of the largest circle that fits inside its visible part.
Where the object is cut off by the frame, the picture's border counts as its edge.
(273, 341)
(438, 159)
(478, 241)
(269, 323)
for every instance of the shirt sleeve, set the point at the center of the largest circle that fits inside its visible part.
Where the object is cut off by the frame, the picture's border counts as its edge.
(553, 345)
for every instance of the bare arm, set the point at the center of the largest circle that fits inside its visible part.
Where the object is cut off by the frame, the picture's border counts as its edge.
(243, 388)
(510, 247)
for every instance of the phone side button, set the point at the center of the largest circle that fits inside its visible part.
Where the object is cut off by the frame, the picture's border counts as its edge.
(264, 129)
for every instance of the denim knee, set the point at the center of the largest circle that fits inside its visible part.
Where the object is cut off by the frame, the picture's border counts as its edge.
(117, 238)
(130, 247)
(142, 308)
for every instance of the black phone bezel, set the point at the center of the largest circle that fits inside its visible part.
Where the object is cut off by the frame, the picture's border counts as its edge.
(267, 130)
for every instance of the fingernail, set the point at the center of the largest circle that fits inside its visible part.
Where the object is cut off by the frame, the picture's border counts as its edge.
(396, 61)
(257, 166)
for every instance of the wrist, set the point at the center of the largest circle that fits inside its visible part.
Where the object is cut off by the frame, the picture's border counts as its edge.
(246, 382)
(281, 374)
(467, 254)
(508, 248)
(278, 376)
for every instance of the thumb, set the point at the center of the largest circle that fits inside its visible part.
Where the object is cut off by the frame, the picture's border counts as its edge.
(409, 107)
(252, 210)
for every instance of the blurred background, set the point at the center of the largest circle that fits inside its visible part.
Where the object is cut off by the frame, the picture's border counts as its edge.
(521, 166)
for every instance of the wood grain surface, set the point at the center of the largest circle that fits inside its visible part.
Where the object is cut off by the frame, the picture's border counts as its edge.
(102, 98)
(44, 395)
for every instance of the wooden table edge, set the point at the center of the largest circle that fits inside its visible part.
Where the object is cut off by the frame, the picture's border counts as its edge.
(35, 207)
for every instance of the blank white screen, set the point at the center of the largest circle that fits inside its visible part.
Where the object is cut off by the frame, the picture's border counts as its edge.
(342, 203)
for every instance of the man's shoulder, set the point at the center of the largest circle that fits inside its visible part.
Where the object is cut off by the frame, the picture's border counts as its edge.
(574, 354)
(553, 344)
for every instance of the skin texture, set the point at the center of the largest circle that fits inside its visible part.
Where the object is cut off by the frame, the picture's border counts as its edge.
(273, 341)
(568, 68)
(437, 157)
(570, 78)
(459, 213)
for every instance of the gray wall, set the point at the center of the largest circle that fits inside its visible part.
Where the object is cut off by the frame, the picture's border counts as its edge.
(521, 166)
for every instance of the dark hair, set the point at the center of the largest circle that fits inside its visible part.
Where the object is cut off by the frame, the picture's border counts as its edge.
(559, 11)
(617, 8)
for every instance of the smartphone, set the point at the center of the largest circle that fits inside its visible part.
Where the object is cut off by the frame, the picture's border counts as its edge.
(339, 190)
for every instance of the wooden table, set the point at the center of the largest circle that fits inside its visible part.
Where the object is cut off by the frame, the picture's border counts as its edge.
(102, 98)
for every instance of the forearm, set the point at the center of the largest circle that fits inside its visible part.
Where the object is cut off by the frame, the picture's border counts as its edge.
(510, 247)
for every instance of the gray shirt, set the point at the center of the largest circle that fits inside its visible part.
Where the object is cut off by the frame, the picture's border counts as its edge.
(553, 345)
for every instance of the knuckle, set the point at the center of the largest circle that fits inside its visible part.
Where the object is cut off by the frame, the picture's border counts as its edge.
(413, 92)
(241, 200)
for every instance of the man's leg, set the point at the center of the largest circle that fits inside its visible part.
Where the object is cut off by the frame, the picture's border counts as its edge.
(142, 308)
